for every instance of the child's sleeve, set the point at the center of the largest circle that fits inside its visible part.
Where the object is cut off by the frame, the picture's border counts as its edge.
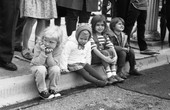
(108, 42)
(39, 57)
(93, 44)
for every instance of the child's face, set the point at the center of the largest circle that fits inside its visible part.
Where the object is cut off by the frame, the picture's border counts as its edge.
(119, 26)
(83, 37)
(99, 27)
(49, 43)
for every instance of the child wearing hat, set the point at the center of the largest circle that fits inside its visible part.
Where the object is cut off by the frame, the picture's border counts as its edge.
(76, 56)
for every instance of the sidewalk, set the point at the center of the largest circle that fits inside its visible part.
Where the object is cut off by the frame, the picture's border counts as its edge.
(19, 86)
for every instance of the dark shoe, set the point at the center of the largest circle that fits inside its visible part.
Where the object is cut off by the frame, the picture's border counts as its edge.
(119, 78)
(46, 95)
(122, 75)
(135, 72)
(55, 93)
(112, 80)
(148, 52)
(18, 48)
(9, 66)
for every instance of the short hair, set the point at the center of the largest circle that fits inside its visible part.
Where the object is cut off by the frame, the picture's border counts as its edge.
(53, 32)
(114, 21)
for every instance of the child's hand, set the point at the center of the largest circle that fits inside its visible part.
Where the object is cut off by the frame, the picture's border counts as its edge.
(126, 49)
(114, 59)
(48, 50)
(108, 59)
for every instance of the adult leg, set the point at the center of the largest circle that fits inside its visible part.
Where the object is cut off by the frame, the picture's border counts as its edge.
(41, 25)
(104, 7)
(84, 16)
(122, 8)
(131, 18)
(141, 21)
(18, 35)
(27, 30)
(168, 18)
(9, 10)
(71, 20)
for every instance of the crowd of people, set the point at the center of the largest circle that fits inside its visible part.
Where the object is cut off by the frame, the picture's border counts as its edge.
(89, 42)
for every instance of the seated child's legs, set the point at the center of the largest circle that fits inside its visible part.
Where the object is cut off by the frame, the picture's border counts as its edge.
(131, 59)
(111, 68)
(88, 77)
(93, 72)
(40, 73)
(121, 54)
(54, 76)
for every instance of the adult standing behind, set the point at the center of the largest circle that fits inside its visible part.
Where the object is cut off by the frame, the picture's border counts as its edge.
(9, 10)
(35, 11)
(138, 12)
(77, 9)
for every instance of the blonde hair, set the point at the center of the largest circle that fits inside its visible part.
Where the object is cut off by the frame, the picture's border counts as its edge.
(53, 32)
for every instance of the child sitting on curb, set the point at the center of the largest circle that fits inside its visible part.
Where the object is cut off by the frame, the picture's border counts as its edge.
(76, 56)
(45, 63)
(119, 39)
(103, 50)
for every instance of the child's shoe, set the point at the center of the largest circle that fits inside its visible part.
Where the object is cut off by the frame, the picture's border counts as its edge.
(46, 95)
(118, 78)
(55, 93)
(112, 80)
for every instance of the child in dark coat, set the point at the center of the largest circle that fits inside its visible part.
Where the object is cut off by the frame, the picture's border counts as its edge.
(119, 39)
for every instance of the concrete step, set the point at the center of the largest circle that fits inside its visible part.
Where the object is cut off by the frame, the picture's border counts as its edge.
(19, 86)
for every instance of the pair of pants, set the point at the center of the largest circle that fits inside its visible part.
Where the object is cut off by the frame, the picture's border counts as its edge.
(113, 8)
(19, 28)
(91, 75)
(124, 56)
(9, 10)
(43, 73)
(72, 18)
(122, 8)
(134, 15)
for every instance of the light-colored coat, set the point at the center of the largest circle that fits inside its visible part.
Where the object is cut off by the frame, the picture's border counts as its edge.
(71, 54)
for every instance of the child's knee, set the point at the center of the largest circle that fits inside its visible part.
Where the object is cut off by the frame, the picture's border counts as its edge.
(39, 69)
(54, 69)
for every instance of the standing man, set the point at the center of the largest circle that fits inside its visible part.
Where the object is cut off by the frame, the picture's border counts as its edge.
(77, 9)
(138, 12)
(9, 10)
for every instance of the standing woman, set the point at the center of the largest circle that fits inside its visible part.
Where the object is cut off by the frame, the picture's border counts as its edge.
(35, 11)
(77, 9)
